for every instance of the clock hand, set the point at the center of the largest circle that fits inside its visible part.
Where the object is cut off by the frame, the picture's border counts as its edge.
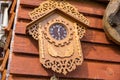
(58, 32)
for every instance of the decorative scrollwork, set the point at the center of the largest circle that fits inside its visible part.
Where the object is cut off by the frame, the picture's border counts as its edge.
(62, 55)
(33, 30)
(64, 65)
(48, 6)
(81, 30)
(61, 43)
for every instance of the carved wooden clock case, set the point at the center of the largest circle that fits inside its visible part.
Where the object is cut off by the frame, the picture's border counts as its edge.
(58, 27)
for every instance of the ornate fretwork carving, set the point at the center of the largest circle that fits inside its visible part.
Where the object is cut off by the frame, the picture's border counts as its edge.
(48, 6)
(65, 54)
(41, 41)
(58, 43)
(67, 65)
(33, 30)
(63, 59)
(81, 30)
(64, 65)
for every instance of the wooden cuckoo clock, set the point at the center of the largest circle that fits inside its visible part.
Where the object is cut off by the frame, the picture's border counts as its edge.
(58, 27)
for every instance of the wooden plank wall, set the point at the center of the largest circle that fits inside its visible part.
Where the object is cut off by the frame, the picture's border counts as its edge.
(102, 57)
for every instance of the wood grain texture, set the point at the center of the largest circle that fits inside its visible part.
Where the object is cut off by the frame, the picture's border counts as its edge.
(13, 6)
(90, 35)
(95, 36)
(82, 6)
(8, 40)
(27, 77)
(15, 77)
(95, 22)
(4, 62)
(21, 27)
(27, 45)
(102, 0)
(102, 57)
(4, 74)
(111, 21)
(29, 65)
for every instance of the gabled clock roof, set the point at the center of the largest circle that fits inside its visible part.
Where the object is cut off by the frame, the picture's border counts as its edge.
(57, 7)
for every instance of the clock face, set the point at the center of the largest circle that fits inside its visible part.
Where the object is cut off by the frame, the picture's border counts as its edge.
(58, 31)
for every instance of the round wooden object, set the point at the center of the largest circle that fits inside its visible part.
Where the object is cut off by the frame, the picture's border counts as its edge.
(111, 21)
